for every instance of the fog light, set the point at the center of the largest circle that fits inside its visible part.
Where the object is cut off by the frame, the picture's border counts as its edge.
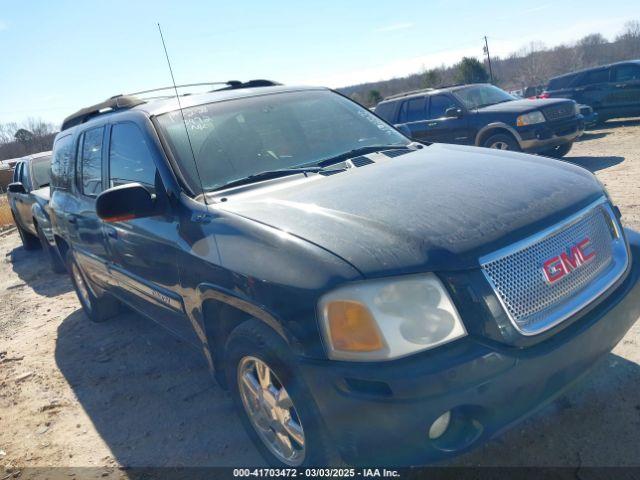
(440, 426)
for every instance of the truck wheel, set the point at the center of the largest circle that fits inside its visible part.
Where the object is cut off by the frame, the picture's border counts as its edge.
(97, 309)
(52, 256)
(559, 151)
(273, 402)
(29, 242)
(502, 141)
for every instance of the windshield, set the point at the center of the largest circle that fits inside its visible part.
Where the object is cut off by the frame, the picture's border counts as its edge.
(41, 168)
(478, 96)
(235, 139)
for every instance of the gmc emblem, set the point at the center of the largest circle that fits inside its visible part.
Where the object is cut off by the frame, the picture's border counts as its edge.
(571, 259)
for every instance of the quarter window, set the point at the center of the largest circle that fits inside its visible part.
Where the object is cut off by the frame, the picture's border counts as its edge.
(91, 162)
(130, 159)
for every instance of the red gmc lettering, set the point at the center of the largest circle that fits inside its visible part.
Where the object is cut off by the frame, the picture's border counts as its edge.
(561, 265)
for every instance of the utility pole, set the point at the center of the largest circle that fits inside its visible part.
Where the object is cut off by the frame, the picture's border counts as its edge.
(486, 50)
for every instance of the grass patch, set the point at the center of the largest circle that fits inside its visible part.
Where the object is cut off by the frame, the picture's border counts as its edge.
(6, 220)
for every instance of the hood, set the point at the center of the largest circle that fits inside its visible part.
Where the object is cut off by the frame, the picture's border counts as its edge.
(435, 209)
(42, 195)
(524, 105)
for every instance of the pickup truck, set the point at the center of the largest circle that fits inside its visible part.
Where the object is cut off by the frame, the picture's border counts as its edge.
(28, 196)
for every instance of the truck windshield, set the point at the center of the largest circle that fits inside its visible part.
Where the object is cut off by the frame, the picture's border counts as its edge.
(478, 96)
(238, 138)
(41, 168)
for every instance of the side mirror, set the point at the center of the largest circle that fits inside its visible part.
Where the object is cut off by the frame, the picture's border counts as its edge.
(453, 112)
(125, 202)
(16, 187)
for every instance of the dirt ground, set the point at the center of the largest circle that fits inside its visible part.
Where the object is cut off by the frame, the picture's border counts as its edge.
(125, 393)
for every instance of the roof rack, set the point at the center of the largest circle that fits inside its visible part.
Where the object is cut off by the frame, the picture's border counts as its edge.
(411, 92)
(121, 102)
(116, 102)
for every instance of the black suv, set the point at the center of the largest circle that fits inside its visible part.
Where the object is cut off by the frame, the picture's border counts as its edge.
(613, 91)
(28, 196)
(486, 116)
(364, 298)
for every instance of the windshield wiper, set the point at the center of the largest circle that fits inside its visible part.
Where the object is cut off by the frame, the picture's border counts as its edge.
(268, 174)
(356, 152)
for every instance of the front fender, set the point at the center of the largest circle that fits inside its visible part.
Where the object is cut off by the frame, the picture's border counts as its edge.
(496, 126)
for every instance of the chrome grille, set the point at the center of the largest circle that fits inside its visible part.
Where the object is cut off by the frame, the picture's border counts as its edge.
(556, 112)
(517, 276)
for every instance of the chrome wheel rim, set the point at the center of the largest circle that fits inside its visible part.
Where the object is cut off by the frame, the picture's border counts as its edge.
(500, 145)
(271, 411)
(83, 291)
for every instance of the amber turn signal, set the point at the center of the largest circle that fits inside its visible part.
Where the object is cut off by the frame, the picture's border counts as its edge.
(352, 327)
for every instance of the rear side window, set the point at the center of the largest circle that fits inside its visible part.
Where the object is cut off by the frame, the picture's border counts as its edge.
(439, 105)
(130, 159)
(413, 110)
(594, 76)
(61, 163)
(91, 162)
(626, 73)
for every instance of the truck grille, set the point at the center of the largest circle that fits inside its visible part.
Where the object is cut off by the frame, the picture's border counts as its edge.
(516, 273)
(557, 112)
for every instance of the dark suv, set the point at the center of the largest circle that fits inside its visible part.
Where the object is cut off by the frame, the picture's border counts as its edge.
(613, 91)
(28, 196)
(363, 297)
(486, 116)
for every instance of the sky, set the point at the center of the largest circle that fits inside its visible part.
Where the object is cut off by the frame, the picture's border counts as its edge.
(59, 56)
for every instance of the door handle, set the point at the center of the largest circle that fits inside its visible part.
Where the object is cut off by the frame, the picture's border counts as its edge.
(432, 124)
(620, 85)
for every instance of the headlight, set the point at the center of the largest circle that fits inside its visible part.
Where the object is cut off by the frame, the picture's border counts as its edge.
(530, 118)
(388, 318)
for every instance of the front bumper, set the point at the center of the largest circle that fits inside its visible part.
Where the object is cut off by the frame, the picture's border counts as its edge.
(380, 413)
(544, 136)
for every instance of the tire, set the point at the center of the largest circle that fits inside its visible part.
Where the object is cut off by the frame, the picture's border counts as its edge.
(97, 309)
(55, 262)
(250, 344)
(559, 151)
(502, 141)
(29, 242)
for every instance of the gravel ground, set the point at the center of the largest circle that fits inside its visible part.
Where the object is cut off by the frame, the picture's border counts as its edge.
(125, 393)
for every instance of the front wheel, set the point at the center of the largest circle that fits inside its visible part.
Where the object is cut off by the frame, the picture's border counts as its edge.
(559, 151)
(96, 308)
(502, 141)
(272, 400)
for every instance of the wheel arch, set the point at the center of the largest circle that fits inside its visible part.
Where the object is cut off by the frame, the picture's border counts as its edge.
(217, 314)
(495, 128)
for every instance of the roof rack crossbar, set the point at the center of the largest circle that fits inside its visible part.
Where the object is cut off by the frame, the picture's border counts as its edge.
(171, 87)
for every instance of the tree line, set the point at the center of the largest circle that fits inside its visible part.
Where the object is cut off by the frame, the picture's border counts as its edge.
(31, 136)
(532, 65)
